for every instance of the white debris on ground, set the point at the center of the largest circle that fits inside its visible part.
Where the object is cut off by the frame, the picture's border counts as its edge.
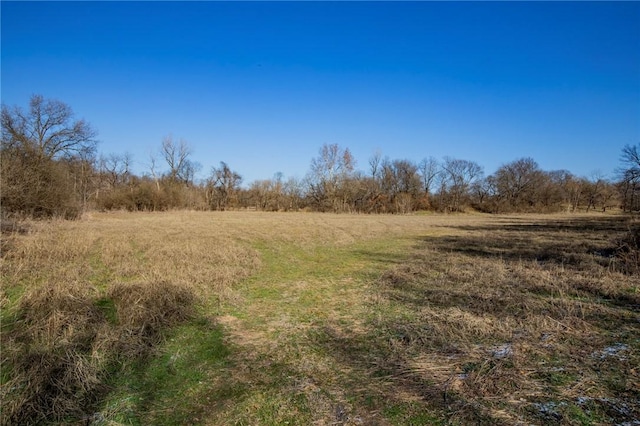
(612, 351)
(502, 351)
(549, 408)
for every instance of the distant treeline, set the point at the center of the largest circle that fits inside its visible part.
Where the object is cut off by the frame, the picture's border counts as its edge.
(50, 168)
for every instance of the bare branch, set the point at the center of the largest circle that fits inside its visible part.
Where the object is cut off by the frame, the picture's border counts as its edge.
(48, 130)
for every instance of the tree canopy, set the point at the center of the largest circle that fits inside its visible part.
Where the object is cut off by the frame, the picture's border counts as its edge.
(47, 130)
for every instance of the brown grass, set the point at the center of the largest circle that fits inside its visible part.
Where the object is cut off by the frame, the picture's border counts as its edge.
(90, 295)
(473, 319)
(516, 322)
(47, 349)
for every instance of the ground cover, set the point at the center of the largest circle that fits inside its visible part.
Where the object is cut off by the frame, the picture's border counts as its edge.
(267, 318)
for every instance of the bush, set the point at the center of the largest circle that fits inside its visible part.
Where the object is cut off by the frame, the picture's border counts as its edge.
(144, 309)
(66, 336)
(53, 373)
(36, 187)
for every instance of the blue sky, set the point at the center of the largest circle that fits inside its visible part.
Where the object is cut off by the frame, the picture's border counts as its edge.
(263, 85)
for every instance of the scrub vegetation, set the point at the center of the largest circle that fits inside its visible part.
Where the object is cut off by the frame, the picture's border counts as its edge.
(50, 168)
(305, 318)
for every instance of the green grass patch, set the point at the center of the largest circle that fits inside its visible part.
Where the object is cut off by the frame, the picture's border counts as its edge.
(171, 386)
(108, 308)
(411, 414)
(288, 305)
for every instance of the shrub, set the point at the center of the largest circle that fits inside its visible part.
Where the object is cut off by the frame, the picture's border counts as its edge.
(144, 309)
(36, 187)
(53, 373)
(65, 337)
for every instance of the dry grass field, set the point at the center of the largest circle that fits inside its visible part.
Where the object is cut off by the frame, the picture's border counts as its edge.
(249, 318)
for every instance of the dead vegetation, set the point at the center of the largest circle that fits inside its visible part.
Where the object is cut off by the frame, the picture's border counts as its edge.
(48, 348)
(329, 319)
(65, 338)
(79, 302)
(510, 323)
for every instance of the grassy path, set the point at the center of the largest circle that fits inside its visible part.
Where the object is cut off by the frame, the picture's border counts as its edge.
(278, 331)
(265, 354)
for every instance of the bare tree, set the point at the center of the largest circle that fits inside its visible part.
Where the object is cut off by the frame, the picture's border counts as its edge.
(374, 164)
(408, 177)
(176, 155)
(457, 177)
(222, 186)
(47, 160)
(47, 130)
(630, 177)
(388, 180)
(400, 185)
(332, 163)
(260, 194)
(484, 192)
(294, 192)
(594, 190)
(83, 171)
(328, 172)
(116, 168)
(517, 183)
(608, 196)
(153, 168)
(631, 161)
(559, 189)
(429, 169)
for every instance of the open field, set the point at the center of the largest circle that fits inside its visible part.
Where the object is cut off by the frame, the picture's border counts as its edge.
(270, 318)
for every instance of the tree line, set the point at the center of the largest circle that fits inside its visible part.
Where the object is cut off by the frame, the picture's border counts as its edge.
(50, 167)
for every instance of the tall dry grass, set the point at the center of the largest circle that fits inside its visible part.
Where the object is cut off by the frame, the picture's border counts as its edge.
(81, 299)
(514, 322)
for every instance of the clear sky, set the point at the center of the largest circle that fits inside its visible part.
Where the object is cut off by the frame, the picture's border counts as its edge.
(263, 85)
